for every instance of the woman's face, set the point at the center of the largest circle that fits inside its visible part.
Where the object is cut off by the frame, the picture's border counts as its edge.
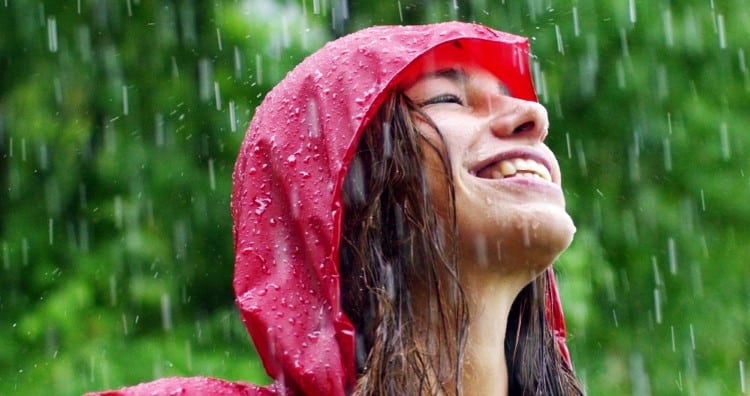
(509, 202)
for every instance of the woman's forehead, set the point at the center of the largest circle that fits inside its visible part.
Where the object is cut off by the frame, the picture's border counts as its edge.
(450, 62)
(461, 74)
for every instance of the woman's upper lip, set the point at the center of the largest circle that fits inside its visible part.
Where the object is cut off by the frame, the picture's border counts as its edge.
(520, 152)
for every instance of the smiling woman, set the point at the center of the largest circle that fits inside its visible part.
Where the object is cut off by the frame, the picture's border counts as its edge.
(396, 218)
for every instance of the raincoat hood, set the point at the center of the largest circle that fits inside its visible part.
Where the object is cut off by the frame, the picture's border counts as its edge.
(287, 196)
(287, 201)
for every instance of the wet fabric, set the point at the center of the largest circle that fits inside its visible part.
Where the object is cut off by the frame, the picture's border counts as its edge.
(287, 203)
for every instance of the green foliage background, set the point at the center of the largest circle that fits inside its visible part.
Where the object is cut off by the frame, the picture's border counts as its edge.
(120, 122)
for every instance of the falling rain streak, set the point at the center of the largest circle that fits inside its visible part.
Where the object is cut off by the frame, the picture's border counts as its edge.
(217, 95)
(51, 231)
(672, 256)
(631, 11)
(657, 306)
(722, 33)
(52, 33)
(125, 104)
(726, 151)
(166, 312)
(211, 175)
(232, 116)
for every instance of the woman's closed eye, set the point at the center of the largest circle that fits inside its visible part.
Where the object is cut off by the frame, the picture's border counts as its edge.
(444, 98)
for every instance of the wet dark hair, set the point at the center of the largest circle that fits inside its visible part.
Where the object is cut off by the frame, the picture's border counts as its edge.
(394, 242)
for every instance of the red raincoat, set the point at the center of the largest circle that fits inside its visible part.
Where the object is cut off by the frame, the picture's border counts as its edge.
(287, 207)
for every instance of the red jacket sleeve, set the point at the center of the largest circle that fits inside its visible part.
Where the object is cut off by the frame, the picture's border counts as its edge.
(192, 386)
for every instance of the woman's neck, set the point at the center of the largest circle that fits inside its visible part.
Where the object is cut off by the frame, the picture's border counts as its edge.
(489, 297)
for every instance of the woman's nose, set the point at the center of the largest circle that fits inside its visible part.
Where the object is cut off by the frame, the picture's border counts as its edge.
(520, 118)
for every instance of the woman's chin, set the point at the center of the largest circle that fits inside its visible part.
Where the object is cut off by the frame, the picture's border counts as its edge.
(529, 240)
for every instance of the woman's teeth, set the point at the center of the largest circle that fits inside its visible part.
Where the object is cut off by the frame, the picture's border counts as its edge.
(519, 167)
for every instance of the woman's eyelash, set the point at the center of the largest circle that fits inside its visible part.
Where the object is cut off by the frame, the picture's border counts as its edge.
(446, 98)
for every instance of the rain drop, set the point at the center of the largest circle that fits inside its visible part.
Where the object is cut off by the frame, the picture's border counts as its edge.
(237, 62)
(581, 155)
(657, 305)
(211, 175)
(668, 29)
(667, 154)
(232, 117)
(742, 376)
(118, 211)
(125, 106)
(52, 33)
(159, 129)
(51, 227)
(672, 256)
(217, 95)
(258, 69)
(58, 91)
(25, 251)
(112, 290)
(671, 331)
(558, 36)
(726, 152)
(166, 312)
(6, 256)
(692, 336)
(722, 32)
(204, 78)
(23, 150)
(631, 11)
